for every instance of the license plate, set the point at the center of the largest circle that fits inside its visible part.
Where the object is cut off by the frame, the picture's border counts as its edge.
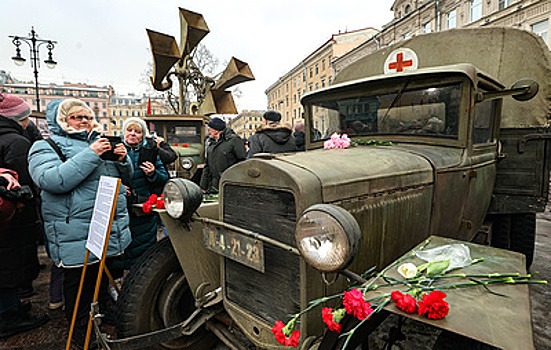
(245, 250)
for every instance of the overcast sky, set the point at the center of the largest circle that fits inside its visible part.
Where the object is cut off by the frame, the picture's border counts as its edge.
(104, 42)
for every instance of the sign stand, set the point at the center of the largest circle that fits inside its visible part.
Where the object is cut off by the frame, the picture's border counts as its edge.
(97, 243)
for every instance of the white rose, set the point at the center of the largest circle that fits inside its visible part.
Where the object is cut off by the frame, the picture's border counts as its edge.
(407, 270)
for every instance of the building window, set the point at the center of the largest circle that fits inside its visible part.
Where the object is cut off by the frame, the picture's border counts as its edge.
(504, 3)
(407, 9)
(323, 64)
(476, 10)
(311, 72)
(323, 82)
(317, 69)
(427, 27)
(541, 29)
(452, 19)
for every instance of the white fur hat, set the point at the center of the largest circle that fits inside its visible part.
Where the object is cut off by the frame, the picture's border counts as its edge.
(138, 121)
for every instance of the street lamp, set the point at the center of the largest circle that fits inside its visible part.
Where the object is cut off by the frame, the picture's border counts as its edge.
(34, 45)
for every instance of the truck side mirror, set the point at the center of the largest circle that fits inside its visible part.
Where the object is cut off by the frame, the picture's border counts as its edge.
(522, 90)
(528, 87)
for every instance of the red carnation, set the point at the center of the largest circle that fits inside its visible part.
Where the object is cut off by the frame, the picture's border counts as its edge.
(404, 302)
(279, 331)
(152, 199)
(328, 319)
(146, 207)
(160, 204)
(434, 305)
(355, 304)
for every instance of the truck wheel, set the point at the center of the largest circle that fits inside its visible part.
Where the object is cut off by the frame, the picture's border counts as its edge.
(155, 295)
(516, 232)
(501, 231)
(523, 235)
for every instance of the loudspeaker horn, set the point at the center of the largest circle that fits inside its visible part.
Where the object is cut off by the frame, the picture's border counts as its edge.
(236, 72)
(165, 54)
(218, 102)
(193, 28)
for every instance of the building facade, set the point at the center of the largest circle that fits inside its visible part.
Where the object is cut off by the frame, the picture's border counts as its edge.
(97, 97)
(246, 123)
(412, 17)
(122, 107)
(312, 73)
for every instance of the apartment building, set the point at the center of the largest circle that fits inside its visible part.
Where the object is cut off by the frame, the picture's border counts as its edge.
(245, 123)
(97, 97)
(412, 17)
(312, 73)
(122, 107)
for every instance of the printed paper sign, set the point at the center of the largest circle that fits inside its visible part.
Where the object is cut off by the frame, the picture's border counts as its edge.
(99, 226)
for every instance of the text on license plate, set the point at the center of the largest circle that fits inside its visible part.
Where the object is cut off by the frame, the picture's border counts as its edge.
(236, 246)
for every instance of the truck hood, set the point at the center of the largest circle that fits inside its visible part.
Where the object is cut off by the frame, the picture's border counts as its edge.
(359, 171)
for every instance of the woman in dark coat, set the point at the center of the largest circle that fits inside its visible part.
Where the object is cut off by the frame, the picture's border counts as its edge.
(18, 238)
(149, 174)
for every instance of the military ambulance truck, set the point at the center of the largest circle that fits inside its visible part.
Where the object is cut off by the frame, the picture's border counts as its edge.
(449, 130)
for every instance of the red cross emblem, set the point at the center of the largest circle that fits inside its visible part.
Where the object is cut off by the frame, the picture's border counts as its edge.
(401, 60)
(400, 63)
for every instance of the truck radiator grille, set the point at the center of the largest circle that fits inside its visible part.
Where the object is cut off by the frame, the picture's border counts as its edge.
(275, 294)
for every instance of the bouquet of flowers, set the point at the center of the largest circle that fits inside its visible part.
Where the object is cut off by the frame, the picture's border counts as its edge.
(153, 201)
(420, 291)
(337, 141)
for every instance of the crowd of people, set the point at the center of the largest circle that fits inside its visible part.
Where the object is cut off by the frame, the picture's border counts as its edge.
(224, 148)
(48, 189)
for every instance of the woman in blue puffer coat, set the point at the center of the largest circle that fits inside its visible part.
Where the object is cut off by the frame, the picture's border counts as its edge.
(68, 194)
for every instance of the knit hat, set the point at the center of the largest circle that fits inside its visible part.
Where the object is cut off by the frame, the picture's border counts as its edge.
(217, 124)
(272, 116)
(136, 120)
(73, 106)
(13, 107)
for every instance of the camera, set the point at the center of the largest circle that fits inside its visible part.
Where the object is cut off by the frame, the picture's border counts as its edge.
(20, 195)
(110, 155)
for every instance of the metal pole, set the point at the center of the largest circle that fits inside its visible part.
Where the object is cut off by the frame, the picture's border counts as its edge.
(35, 62)
(34, 46)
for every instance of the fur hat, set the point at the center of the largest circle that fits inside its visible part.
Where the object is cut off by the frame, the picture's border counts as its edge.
(73, 106)
(217, 124)
(138, 121)
(272, 116)
(14, 107)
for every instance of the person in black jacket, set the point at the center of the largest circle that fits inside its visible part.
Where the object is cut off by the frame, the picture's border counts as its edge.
(272, 137)
(300, 136)
(223, 149)
(18, 238)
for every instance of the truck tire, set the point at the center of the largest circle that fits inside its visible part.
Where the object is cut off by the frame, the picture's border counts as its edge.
(155, 295)
(516, 232)
(523, 235)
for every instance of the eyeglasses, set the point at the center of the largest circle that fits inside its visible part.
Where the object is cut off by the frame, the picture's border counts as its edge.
(79, 118)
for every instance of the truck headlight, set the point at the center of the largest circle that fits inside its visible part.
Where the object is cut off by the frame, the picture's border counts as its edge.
(182, 198)
(328, 237)
(186, 163)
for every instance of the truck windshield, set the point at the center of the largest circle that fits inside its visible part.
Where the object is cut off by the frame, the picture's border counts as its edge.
(182, 131)
(428, 111)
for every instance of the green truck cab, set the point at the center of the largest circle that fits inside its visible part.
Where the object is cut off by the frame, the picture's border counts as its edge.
(448, 131)
(186, 135)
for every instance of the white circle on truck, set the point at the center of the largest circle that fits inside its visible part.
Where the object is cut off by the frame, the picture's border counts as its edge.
(401, 60)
